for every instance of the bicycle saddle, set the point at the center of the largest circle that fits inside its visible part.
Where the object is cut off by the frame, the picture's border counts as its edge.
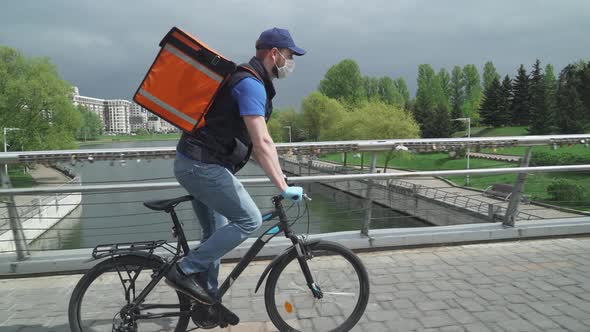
(166, 204)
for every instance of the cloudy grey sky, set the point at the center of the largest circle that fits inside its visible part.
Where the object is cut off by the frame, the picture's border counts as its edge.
(105, 47)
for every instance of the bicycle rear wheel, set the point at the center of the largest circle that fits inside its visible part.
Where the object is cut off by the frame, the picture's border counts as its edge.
(337, 272)
(100, 296)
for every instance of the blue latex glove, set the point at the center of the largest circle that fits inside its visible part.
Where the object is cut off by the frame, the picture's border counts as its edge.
(293, 193)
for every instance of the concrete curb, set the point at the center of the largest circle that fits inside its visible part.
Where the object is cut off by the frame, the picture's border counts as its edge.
(71, 261)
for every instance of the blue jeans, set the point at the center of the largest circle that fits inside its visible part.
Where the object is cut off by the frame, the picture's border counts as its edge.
(227, 214)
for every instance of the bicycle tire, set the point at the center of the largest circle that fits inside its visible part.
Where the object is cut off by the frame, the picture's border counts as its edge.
(307, 323)
(110, 266)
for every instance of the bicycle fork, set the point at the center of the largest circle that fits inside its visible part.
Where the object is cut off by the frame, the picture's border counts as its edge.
(302, 256)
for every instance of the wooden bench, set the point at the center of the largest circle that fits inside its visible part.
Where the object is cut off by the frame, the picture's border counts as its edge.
(504, 191)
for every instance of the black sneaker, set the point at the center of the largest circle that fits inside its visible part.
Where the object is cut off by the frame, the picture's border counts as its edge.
(188, 285)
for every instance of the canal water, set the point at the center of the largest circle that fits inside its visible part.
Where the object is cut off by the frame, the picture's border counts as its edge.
(121, 217)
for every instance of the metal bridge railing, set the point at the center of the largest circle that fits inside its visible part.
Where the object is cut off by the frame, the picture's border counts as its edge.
(493, 209)
(302, 148)
(376, 181)
(387, 182)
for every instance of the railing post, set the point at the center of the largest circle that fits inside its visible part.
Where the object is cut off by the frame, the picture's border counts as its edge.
(494, 212)
(512, 210)
(362, 161)
(17, 231)
(368, 199)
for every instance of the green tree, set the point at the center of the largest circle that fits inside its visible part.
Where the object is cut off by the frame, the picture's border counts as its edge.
(429, 98)
(34, 98)
(275, 129)
(585, 88)
(549, 78)
(425, 95)
(372, 88)
(489, 74)
(389, 92)
(457, 97)
(504, 115)
(320, 113)
(374, 120)
(490, 106)
(550, 90)
(288, 117)
(402, 88)
(439, 125)
(344, 81)
(91, 127)
(569, 102)
(521, 100)
(541, 115)
(473, 92)
(445, 83)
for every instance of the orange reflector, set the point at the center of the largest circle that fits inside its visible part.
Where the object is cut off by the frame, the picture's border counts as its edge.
(288, 307)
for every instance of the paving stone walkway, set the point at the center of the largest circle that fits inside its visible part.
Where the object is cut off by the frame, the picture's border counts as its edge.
(540, 285)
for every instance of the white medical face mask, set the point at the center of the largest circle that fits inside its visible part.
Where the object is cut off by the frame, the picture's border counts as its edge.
(287, 69)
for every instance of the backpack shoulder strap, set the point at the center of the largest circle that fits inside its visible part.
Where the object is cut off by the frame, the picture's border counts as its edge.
(243, 71)
(247, 67)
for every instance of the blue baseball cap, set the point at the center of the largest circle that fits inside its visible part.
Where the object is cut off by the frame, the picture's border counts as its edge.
(279, 38)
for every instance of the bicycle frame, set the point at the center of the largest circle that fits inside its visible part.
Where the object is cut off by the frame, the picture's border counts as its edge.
(281, 226)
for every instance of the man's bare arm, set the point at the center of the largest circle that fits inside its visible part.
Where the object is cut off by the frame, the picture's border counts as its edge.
(264, 150)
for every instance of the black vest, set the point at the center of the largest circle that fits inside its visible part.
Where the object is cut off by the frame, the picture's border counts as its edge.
(224, 138)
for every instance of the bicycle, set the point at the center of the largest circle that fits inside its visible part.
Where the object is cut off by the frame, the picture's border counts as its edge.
(297, 293)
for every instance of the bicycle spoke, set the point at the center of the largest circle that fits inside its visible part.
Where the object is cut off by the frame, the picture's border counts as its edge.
(339, 294)
(298, 308)
(103, 300)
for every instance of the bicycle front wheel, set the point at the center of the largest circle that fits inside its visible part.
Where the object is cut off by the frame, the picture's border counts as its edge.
(340, 276)
(104, 292)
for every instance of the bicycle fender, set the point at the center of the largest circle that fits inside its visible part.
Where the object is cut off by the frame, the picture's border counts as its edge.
(277, 260)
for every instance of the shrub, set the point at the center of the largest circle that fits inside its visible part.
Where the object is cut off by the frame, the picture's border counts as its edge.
(542, 158)
(564, 190)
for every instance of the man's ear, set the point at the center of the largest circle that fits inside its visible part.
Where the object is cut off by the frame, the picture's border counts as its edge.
(274, 52)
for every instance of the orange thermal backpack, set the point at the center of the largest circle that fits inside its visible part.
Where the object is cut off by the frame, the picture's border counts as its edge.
(183, 81)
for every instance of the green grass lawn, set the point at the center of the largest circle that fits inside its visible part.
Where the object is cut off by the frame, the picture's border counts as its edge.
(535, 185)
(420, 162)
(519, 150)
(125, 138)
(18, 178)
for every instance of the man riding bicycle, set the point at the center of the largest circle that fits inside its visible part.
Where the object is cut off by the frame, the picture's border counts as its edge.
(208, 158)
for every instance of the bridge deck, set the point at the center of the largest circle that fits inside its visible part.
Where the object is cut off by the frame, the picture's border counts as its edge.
(538, 285)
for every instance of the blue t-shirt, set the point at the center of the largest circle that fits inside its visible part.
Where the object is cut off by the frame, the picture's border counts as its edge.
(250, 95)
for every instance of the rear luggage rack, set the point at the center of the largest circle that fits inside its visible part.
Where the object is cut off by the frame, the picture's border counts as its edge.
(103, 250)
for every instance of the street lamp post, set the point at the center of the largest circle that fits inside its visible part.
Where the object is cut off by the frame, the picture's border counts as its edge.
(468, 120)
(289, 127)
(6, 146)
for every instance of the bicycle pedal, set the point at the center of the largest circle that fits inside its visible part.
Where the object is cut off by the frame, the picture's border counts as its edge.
(204, 316)
(226, 316)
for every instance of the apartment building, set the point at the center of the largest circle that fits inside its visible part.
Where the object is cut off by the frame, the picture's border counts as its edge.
(138, 117)
(122, 116)
(117, 119)
(95, 105)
